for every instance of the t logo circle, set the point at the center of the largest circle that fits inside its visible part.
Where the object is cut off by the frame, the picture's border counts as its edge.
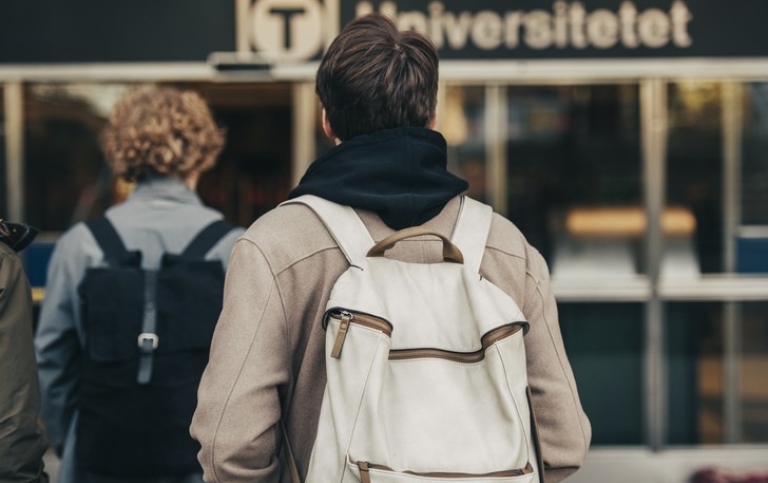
(287, 29)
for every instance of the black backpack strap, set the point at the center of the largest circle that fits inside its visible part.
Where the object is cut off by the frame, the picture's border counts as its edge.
(207, 238)
(108, 239)
(148, 340)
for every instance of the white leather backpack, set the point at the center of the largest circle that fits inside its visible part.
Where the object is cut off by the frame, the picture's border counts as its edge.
(425, 364)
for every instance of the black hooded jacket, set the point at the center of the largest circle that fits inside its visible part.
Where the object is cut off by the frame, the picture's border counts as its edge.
(400, 174)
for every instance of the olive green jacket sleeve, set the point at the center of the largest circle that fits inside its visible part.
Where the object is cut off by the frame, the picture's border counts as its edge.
(21, 441)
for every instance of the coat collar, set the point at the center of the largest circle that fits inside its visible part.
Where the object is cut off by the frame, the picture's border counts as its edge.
(166, 188)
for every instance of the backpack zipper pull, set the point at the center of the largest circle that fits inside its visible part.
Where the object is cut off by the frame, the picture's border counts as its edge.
(365, 477)
(346, 318)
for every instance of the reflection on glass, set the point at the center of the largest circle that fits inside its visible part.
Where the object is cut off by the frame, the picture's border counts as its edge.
(253, 172)
(752, 236)
(574, 152)
(604, 343)
(695, 177)
(697, 378)
(753, 372)
(66, 178)
(462, 121)
(754, 178)
(695, 373)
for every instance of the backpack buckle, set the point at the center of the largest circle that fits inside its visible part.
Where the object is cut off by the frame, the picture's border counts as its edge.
(148, 341)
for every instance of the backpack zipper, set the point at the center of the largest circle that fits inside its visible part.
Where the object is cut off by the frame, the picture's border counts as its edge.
(358, 318)
(486, 341)
(365, 477)
(346, 318)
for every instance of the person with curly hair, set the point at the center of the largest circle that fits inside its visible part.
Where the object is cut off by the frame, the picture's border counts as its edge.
(162, 139)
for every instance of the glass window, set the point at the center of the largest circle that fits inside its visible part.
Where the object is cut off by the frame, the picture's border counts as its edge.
(754, 178)
(462, 122)
(605, 347)
(752, 234)
(694, 194)
(698, 378)
(703, 117)
(66, 177)
(753, 367)
(68, 180)
(574, 176)
(253, 173)
(695, 369)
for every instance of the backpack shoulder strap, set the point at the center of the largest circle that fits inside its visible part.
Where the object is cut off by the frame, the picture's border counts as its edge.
(202, 243)
(108, 239)
(346, 228)
(471, 231)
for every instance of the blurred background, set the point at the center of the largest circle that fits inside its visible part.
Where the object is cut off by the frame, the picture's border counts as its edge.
(627, 140)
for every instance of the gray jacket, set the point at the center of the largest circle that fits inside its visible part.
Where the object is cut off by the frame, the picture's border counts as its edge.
(21, 440)
(161, 215)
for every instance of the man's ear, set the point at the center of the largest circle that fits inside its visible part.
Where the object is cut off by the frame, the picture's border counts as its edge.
(327, 129)
(433, 120)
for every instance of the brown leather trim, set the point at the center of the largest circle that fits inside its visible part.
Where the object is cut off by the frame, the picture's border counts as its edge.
(365, 466)
(361, 318)
(347, 318)
(490, 338)
(341, 336)
(365, 476)
(451, 252)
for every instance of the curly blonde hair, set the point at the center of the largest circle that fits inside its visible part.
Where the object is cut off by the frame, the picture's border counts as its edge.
(161, 130)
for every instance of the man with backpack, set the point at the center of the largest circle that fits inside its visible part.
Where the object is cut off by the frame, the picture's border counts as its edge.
(378, 326)
(132, 299)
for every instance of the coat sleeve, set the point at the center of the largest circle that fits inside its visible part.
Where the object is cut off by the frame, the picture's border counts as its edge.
(57, 341)
(21, 440)
(564, 430)
(238, 413)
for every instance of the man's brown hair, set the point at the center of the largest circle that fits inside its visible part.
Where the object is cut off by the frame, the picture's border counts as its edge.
(161, 131)
(374, 76)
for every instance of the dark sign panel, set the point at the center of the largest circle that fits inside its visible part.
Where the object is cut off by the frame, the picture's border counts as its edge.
(53, 31)
(75, 31)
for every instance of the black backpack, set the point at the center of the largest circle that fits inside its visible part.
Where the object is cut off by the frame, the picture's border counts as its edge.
(147, 339)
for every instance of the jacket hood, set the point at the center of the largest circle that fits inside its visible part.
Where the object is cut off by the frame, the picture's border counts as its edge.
(18, 236)
(400, 174)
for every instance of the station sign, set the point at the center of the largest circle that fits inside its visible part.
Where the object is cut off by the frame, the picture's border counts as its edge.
(98, 31)
(299, 30)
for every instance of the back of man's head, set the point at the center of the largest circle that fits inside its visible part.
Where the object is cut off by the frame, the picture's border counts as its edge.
(374, 77)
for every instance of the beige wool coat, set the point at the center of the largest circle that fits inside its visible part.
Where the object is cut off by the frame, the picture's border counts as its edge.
(267, 359)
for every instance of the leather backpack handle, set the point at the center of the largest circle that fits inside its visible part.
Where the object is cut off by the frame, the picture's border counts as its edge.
(451, 252)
